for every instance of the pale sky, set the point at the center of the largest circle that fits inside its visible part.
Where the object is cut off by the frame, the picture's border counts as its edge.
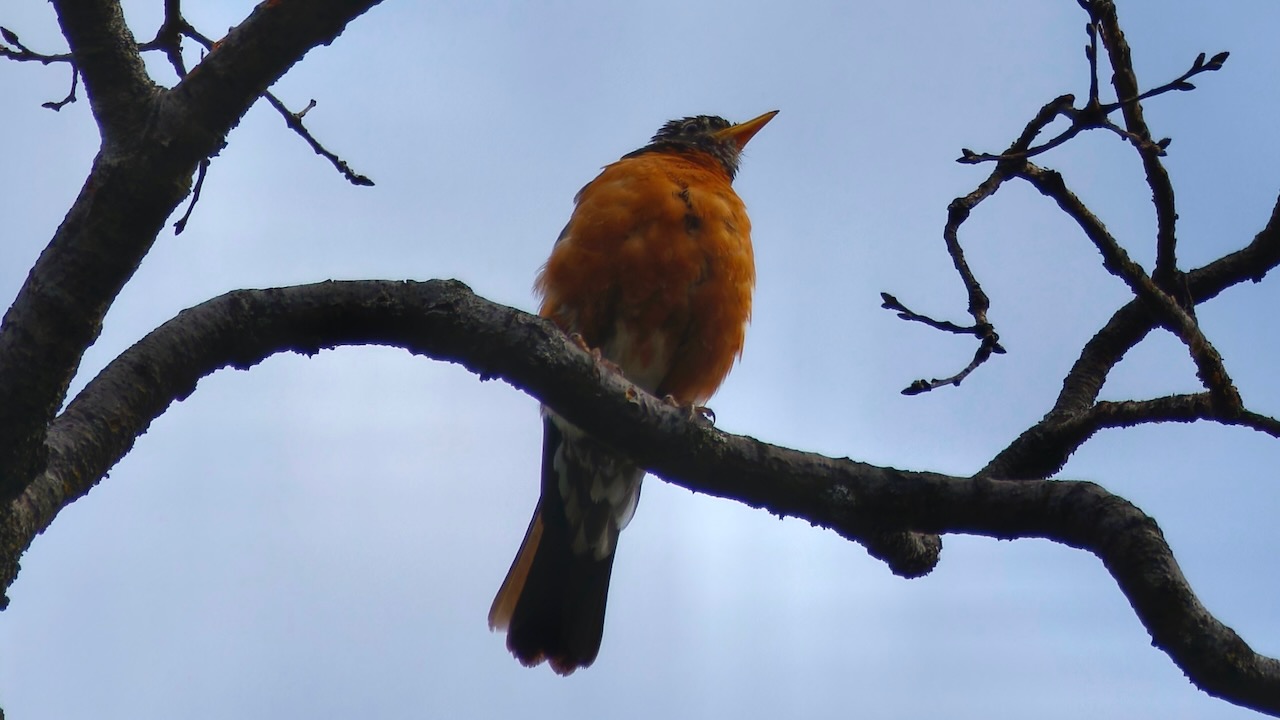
(322, 537)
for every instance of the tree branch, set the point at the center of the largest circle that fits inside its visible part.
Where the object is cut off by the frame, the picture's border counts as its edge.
(957, 213)
(168, 39)
(1042, 449)
(1125, 82)
(1176, 408)
(130, 192)
(1251, 262)
(242, 65)
(294, 121)
(106, 54)
(1209, 366)
(446, 321)
(22, 53)
(441, 319)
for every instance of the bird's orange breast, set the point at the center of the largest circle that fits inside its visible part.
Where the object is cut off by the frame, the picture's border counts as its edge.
(655, 269)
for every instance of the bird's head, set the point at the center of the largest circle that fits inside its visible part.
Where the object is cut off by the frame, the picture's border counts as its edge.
(713, 135)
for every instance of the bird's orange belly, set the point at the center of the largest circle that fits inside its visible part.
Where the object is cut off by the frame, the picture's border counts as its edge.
(665, 295)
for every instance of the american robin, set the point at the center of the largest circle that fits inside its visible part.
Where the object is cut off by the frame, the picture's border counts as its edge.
(655, 271)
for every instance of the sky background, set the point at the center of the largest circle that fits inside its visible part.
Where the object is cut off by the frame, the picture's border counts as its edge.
(322, 537)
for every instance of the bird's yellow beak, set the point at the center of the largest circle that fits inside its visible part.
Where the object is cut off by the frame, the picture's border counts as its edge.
(742, 132)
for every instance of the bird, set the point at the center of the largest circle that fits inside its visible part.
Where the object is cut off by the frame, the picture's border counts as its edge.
(654, 272)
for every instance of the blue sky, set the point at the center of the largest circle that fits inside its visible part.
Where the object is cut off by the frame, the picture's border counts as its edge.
(322, 537)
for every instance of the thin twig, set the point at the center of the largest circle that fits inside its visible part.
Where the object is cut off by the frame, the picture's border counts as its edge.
(957, 213)
(1091, 52)
(169, 35)
(1095, 115)
(984, 331)
(989, 345)
(1200, 65)
(22, 53)
(181, 225)
(890, 302)
(294, 121)
(57, 105)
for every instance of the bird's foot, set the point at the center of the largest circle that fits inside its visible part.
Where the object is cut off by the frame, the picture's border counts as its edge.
(696, 412)
(595, 354)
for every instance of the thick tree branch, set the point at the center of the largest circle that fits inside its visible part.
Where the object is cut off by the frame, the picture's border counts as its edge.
(107, 56)
(1251, 262)
(441, 319)
(1043, 449)
(446, 321)
(134, 185)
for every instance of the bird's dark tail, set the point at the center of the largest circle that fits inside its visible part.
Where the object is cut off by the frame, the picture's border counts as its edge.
(552, 601)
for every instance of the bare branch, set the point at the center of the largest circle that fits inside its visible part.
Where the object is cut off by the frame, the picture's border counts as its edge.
(986, 333)
(1166, 289)
(1021, 148)
(168, 39)
(294, 121)
(22, 53)
(889, 302)
(107, 57)
(440, 319)
(983, 353)
(1042, 450)
(1209, 365)
(16, 50)
(58, 311)
(181, 224)
(57, 105)
(957, 213)
(1094, 115)
(1091, 54)
(446, 321)
(1176, 408)
(1180, 83)
(1125, 82)
(1252, 262)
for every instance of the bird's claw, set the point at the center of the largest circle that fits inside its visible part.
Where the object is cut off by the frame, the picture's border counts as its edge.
(595, 353)
(696, 412)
